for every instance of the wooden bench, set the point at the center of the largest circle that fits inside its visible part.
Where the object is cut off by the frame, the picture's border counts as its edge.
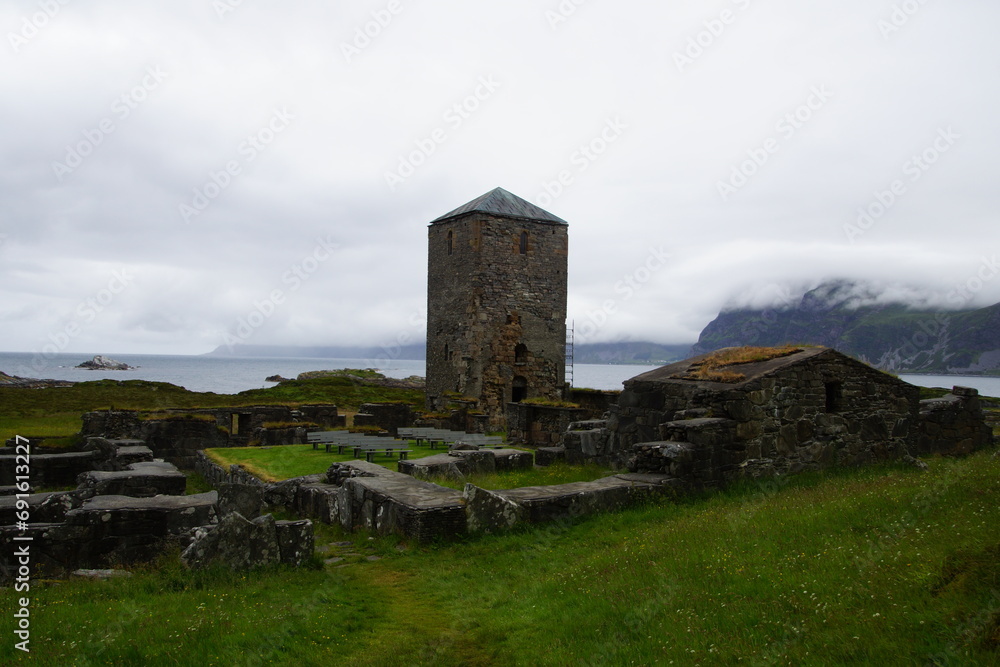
(318, 437)
(341, 445)
(445, 438)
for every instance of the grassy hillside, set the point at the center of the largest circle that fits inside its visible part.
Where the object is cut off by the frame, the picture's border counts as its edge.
(883, 566)
(55, 412)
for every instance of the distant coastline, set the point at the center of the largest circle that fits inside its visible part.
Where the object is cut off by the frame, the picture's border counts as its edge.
(618, 354)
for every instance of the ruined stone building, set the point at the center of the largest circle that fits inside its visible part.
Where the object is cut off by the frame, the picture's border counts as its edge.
(804, 409)
(496, 304)
(814, 408)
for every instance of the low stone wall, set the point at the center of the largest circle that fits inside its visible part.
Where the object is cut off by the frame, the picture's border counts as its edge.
(244, 544)
(540, 425)
(140, 480)
(364, 496)
(125, 513)
(388, 416)
(118, 454)
(324, 415)
(401, 504)
(179, 441)
(49, 469)
(596, 403)
(495, 511)
(281, 437)
(179, 434)
(459, 464)
(952, 425)
(48, 507)
(587, 441)
(107, 531)
(216, 475)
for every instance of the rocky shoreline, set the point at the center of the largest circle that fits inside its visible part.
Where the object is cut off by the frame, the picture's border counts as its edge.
(30, 383)
(368, 377)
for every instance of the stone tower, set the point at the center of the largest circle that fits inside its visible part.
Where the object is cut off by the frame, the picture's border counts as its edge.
(496, 304)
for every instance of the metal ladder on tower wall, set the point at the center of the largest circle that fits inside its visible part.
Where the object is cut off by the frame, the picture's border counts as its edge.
(570, 343)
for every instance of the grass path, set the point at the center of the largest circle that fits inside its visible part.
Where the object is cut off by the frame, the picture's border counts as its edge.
(418, 628)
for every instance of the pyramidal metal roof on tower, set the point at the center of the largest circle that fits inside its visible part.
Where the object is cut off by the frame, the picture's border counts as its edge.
(503, 204)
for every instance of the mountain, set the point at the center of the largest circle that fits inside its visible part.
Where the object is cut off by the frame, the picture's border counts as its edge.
(854, 319)
(629, 353)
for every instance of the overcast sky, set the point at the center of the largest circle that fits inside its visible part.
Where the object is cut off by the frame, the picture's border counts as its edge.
(181, 176)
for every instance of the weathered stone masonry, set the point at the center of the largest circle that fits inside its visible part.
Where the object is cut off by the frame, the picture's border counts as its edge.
(814, 409)
(496, 291)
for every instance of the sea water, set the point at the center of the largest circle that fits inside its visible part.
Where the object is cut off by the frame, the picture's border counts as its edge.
(231, 375)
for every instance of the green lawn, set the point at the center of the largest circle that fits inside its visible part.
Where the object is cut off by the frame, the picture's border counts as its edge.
(273, 464)
(882, 566)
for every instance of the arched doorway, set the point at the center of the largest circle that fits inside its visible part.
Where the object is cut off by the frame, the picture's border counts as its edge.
(519, 389)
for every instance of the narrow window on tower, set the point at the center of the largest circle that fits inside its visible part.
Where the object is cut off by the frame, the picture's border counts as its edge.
(447, 353)
(521, 354)
(451, 242)
(523, 248)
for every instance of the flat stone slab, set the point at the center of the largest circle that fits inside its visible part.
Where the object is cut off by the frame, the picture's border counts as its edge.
(138, 470)
(499, 510)
(134, 451)
(153, 466)
(645, 478)
(545, 456)
(42, 507)
(433, 461)
(8, 506)
(367, 496)
(368, 469)
(127, 522)
(412, 492)
(169, 503)
(513, 459)
(946, 402)
(67, 456)
(541, 493)
(145, 479)
(456, 464)
(33, 499)
(109, 443)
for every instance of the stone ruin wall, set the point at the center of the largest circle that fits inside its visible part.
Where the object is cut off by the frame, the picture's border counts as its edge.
(540, 425)
(129, 508)
(952, 425)
(388, 416)
(822, 412)
(177, 438)
(784, 415)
